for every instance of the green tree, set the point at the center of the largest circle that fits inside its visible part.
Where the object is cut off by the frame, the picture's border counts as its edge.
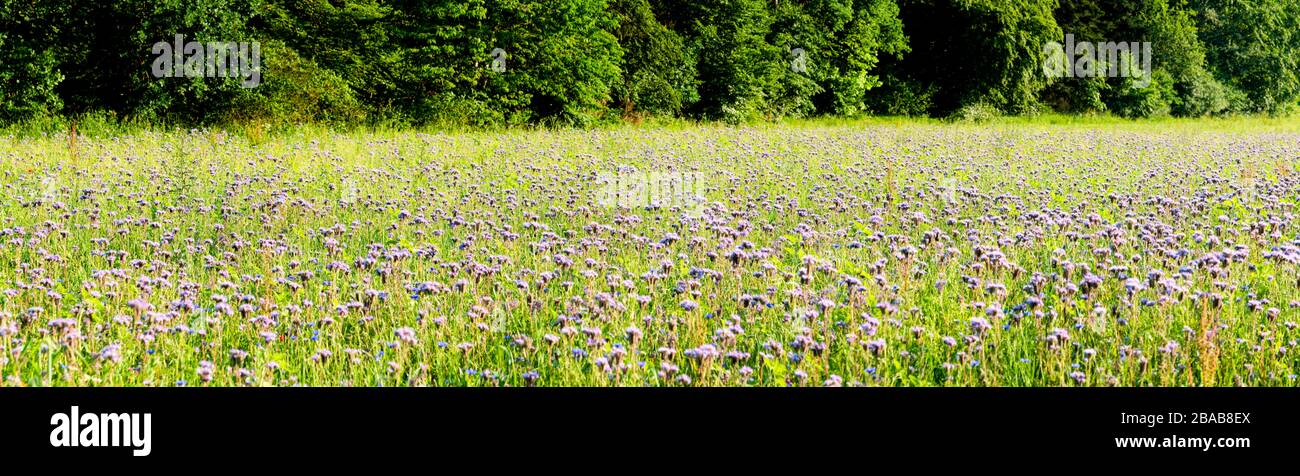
(443, 68)
(1181, 83)
(561, 59)
(658, 71)
(28, 78)
(1254, 46)
(842, 41)
(971, 52)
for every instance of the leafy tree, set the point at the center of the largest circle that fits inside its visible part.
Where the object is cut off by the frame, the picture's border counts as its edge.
(841, 41)
(493, 62)
(1253, 46)
(296, 90)
(561, 62)
(28, 78)
(966, 52)
(738, 69)
(1182, 84)
(443, 67)
(344, 39)
(658, 71)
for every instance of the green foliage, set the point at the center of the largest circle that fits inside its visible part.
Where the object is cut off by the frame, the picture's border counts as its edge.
(976, 52)
(349, 39)
(1183, 85)
(1198, 94)
(443, 62)
(1153, 100)
(191, 100)
(739, 70)
(842, 41)
(28, 78)
(578, 62)
(562, 59)
(1253, 46)
(1170, 26)
(658, 72)
(296, 90)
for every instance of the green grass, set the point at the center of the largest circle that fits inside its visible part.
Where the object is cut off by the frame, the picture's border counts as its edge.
(190, 217)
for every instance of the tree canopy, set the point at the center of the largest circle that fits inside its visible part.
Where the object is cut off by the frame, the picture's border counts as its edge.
(500, 62)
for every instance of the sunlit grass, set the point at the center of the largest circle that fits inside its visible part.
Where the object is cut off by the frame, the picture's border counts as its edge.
(878, 252)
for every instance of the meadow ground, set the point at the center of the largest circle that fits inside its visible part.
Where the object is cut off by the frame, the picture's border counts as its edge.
(882, 253)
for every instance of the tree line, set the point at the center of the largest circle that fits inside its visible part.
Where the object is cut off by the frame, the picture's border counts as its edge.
(508, 62)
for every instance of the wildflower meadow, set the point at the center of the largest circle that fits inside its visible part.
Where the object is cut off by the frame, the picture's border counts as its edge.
(846, 254)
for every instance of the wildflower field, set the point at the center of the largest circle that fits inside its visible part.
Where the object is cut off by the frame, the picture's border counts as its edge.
(779, 255)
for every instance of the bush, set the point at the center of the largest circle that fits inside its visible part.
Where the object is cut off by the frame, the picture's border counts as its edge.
(658, 71)
(296, 90)
(1144, 102)
(979, 112)
(1202, 95)
(28, 79)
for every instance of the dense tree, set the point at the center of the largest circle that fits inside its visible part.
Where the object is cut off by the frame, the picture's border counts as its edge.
(28, 79)
(1254, 46)
(658, 71)
(561, 58)
(840, 42)
(494, 62)
(1180, 84)
(972, 52)
(738, 69)
(444, 62)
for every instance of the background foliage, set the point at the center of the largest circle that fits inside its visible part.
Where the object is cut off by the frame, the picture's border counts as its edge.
(584, 61)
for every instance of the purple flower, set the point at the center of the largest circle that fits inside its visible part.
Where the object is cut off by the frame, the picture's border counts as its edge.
(1078, 377)
(111, 352)
(405, 335)
(876, 346)
(205, 371)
